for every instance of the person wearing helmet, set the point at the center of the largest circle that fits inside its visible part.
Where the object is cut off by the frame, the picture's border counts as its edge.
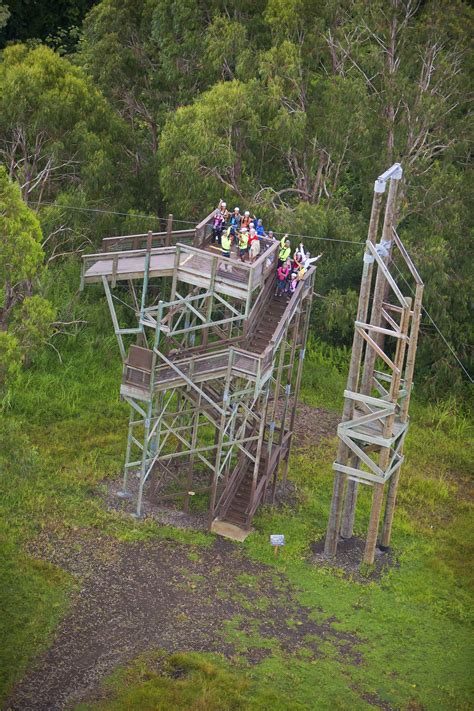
(246, 219)
(308, 260)
(235, 222)
(285, 250)
(293, 283)
(283, 273)
(260, 228)
(226, 241)
(224, 211)
(243, 244)
(236, 219)
(298, 258)
(254, 244)
(217, 226)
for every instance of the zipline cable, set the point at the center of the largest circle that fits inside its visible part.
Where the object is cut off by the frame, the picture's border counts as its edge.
(187, 222)
(451, 349)
(290, 234)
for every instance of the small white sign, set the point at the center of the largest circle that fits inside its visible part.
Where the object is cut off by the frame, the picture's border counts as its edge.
(277, 539)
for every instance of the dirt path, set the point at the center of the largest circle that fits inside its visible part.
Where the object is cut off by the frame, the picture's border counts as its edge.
(135, 597)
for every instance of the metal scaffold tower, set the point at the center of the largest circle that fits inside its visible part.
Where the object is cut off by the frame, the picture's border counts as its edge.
(213, 371)
(375, 415)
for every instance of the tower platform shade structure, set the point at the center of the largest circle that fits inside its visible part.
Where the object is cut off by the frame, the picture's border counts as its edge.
(376, 401)
(212, 366)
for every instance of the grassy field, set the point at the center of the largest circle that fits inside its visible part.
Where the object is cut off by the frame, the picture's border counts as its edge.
(62, 432)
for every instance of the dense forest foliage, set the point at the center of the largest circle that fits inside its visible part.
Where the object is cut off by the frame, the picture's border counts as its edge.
(115, 113)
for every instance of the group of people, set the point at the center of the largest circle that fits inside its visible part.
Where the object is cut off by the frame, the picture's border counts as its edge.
(244, 231)
(291, 270)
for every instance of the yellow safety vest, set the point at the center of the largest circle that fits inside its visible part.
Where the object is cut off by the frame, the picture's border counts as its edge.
(226, 242)
(284, 253)
(243, 240)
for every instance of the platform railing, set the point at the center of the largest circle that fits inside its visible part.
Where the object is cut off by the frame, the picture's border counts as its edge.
(140, 241)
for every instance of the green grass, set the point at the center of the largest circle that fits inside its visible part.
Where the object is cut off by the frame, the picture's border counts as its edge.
(202, 682)
(63, 433)
(416, 625)
(325, 374)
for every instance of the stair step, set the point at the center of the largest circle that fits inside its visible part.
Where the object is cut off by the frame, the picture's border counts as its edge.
(239, 507)
(237, 520)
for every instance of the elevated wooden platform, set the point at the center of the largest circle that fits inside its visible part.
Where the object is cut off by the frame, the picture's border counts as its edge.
(198, 266)
(212, 367)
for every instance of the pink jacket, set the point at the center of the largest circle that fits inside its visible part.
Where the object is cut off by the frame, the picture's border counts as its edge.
(283, 272)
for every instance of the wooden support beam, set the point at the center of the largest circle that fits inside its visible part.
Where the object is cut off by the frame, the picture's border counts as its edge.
(334, 523)
(114, 318)
(380, 284)
(384, 457)
(410, 365)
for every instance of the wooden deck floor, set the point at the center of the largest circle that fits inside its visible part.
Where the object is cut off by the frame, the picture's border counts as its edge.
(129, 267)
(194, 268)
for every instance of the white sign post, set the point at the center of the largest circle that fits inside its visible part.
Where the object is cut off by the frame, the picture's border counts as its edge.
(277, 540)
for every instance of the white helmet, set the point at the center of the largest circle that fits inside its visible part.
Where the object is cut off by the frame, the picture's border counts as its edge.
(247, 213)
(223, 204)
(236, 209)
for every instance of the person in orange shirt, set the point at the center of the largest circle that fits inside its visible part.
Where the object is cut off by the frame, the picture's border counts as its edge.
(246, 219)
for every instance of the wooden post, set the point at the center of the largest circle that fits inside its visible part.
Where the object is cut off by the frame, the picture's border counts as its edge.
(146, 273)
(299, 375)
(332, 534)
(350, 501)
(149, 410)
(220, 439)
(124, 492)
(169, 230)
(114, 317)
(348, 518)
(261, 434)
(194, 435)
(379, 290)
(294, 342)
(372, 533)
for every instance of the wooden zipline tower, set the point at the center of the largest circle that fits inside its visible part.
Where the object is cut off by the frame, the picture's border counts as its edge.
(375, 415)
(211, 372)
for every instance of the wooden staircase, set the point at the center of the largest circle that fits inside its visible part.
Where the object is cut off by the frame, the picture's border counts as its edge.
(270, 316)
(239, 508)
(237, 505)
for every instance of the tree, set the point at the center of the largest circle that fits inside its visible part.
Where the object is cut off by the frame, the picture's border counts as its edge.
(56, 130)
(208, 149)
(149, 57)
(37, 19)
(25, 319)
(59, 136)
(21, 254)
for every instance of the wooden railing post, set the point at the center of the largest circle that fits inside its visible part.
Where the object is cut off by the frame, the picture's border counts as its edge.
(169, 230)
